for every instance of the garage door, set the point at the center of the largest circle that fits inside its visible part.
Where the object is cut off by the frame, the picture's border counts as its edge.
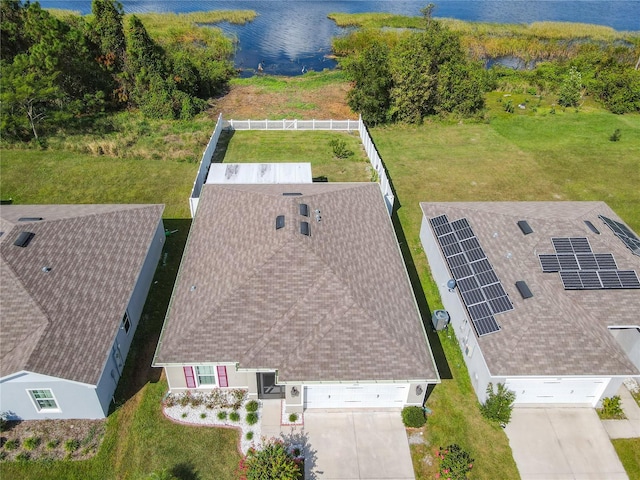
(356, 396)
(558, 390)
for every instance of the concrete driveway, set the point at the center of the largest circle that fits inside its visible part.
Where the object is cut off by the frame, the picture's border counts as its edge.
(348, 445)
(562, 443)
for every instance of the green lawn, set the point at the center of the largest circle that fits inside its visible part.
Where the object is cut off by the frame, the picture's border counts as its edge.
(301, 146)
(628, 450)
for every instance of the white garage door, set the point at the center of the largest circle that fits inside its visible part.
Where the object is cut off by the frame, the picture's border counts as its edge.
(356, 396)
(558, 390)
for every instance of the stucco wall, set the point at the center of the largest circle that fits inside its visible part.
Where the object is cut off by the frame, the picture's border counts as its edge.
(235, 378)
(629, 340)
(75, 400)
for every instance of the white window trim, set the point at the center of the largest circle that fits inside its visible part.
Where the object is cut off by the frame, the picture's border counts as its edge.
(206, 385)
(37, 405)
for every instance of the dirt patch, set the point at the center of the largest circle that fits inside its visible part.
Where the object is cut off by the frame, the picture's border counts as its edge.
(51, 439)
(254, 102)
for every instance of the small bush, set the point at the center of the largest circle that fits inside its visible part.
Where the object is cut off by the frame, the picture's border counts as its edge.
(11, 445)
(615, 136)
(499, 404)
(31, 443)
(51, 444)
(234, 416)
(184, 415)
(611, 408)
(71, 445)
(249, 436)
(455, 463)
(222, 415)
(23, 457)
(184, 400)
(203, 415)
(508, 107)
(413, 417)
(3, 421)
(252, 418)
(252, 406)
(340, 149)
(293, 418)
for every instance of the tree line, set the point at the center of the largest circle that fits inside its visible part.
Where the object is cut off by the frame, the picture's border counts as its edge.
(56, 71)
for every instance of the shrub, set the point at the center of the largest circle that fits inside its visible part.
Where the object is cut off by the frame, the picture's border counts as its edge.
(31, 443)
(413, 417)
(184, 399)
(293, 418)
(252, 418)
(615, 136)
(252, 406)
(249, 436)
(51, 444)
(203, 415)
(571, 89)
(234, 416)
(455, 463)
(340, 149)
(239, 396)
(184, 415)
(499, 404)
(3, 420)
(11, 445)
(71, 445)
(170, 401)
(23, 457)
(272, 461)
(611, 408)
(222, 415)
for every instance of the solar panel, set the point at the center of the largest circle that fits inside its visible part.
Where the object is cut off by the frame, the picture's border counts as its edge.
(479, 286)
(568, 262)
(610, 279)
(571, 280)
(590, 280)
(629, 279)
(549, 263)
(606, 261)
(587, 261)
(624, 233)
(580, 245)
(571, 245)
(562, 245)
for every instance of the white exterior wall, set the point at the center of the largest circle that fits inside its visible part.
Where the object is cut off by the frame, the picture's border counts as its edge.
(629, 340)
(74, 400)
(235, 378)
(476, 364)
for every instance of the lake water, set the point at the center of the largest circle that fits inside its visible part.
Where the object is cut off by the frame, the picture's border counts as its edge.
(292, 36)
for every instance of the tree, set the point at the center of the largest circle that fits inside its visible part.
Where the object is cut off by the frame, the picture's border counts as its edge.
(272, 462)
(571, 89)
(109, 33)
(369, 71)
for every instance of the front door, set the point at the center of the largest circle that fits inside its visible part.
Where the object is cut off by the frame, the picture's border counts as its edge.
(267, 387)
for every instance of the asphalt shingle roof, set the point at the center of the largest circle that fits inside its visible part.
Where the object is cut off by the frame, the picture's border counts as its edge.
(333, 306)
(557, 332)
(62, 322)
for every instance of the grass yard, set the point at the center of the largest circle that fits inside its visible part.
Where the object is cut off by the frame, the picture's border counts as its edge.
(628, 450)
(256, 146)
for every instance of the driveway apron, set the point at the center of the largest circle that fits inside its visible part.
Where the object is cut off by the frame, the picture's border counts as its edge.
(562, 443)
(348, 445)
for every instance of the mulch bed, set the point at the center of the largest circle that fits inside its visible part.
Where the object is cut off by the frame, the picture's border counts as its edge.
(51, 439)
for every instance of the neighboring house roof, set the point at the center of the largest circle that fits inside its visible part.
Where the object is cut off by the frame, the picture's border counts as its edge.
(333, 306)
(557, 331)
(63, 322)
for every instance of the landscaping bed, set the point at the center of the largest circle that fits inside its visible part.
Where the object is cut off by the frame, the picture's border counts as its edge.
(51, 439)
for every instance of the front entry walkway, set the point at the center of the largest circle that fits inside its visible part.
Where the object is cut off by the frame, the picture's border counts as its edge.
(562, 443)
(350, 445)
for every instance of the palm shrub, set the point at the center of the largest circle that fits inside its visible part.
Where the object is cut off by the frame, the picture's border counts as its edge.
(413, 417)
(251, 406)
(611, 408)
(271, 461)
(499, 404)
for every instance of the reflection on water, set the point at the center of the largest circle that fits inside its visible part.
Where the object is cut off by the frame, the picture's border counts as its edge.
(292, 36)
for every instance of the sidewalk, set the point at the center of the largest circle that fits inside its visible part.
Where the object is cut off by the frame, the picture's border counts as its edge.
(630, 427)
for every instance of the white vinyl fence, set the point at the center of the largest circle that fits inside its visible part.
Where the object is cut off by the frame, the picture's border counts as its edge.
(337, 125)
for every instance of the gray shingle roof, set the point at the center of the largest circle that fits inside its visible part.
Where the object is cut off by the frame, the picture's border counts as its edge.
(557, 332)
(334, 306)
(62, 322)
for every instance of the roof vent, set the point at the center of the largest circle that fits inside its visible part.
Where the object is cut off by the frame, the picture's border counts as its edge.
(304, 209)
(23, 239)
(592, 227)
(525, 227)
(46, 269)
(523, 288)
(305, 229)
(279, 222)
(291, 194)
(29, 219)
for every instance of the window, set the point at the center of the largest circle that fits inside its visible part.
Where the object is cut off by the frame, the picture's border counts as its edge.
(126, 323)
(206, 375)
(43, 399)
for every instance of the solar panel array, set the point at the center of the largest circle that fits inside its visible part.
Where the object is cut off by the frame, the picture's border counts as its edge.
(581, 269)
(479, 286)
(624, 233)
